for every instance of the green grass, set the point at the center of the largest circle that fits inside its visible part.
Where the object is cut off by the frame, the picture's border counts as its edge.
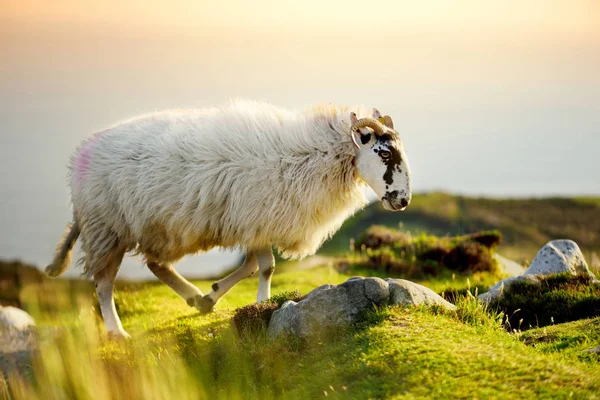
(569, 340)
(394, 353)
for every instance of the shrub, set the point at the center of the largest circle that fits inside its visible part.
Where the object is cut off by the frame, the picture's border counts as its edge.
(468, 255)
(14, 276)
(400, 253)
(253, 319)
(557, 298)
(379, 236)
(282, 297)
(490, 239)
(454, 295)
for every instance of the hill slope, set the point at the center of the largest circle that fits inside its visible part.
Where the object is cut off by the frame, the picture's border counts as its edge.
(526, 224)
(399, 353)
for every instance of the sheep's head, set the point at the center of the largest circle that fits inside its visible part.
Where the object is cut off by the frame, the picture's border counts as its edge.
(380, 159)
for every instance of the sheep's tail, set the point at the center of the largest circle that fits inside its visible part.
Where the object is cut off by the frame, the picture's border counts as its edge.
(64, 248)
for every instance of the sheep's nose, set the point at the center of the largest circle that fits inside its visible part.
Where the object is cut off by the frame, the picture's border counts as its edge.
(399, 203)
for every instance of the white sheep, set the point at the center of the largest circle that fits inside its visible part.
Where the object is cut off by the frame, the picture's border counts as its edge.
(248, 176)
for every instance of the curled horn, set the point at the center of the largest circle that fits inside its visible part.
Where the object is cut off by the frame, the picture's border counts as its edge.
(368, 123)
(354, 140)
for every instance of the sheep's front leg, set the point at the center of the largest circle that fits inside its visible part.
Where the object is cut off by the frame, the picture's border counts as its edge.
(206, 303)
(266, 266)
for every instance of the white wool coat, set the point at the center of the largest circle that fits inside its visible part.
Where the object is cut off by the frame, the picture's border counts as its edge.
(248, 175)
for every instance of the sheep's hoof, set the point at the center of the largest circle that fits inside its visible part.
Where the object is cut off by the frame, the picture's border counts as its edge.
(204, 304)
(118, 336)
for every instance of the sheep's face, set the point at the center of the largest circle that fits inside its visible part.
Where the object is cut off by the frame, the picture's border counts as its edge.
(382, 163)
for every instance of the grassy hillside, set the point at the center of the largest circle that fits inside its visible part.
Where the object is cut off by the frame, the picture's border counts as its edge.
(394, 353)
(525, 224)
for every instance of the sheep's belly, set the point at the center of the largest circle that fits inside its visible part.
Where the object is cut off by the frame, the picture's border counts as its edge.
(157, 244)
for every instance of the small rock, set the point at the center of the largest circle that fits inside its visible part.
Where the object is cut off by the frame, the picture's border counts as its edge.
(15, 318)
(17, 340)
(331, 306)
(557, 256)
(594, 350)
(17, 329)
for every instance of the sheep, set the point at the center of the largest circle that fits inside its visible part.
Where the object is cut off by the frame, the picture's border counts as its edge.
(248, 176)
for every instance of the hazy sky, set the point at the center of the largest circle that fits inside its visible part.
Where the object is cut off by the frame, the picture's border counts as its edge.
(491, 97)
(496, 98)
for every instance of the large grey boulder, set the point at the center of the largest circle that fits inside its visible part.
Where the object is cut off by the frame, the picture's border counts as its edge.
(408, 293)
(557, 256)
(331, 306)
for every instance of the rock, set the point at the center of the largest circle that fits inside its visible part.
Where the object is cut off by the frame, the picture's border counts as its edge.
(15, 318)
(16, 329)
(18, 362)
(557, 256)
(17, 341)
(408, 293)
(594, 350)
(496, 291)
(331, 306)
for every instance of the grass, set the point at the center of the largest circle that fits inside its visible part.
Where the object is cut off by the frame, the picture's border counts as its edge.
(427, 352)
(569, 340)
(396, 353)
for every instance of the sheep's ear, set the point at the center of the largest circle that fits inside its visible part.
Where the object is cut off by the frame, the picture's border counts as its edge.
(376, 114)
(353, 118)
(387, 121)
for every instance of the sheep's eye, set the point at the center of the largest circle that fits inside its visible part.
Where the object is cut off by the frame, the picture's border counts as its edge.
(385, 154)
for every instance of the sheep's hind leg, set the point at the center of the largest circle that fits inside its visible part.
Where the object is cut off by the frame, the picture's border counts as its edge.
(206, 303)
(167, 274)
(104, 281)
(266, 266)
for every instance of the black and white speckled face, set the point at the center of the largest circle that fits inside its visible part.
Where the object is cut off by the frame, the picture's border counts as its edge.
(382, 164)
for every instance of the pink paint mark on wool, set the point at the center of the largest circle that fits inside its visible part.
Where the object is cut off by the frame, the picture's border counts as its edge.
(83, 157)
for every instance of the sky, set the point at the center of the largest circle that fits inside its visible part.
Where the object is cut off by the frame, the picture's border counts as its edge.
(492, 98)
(513, 83)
